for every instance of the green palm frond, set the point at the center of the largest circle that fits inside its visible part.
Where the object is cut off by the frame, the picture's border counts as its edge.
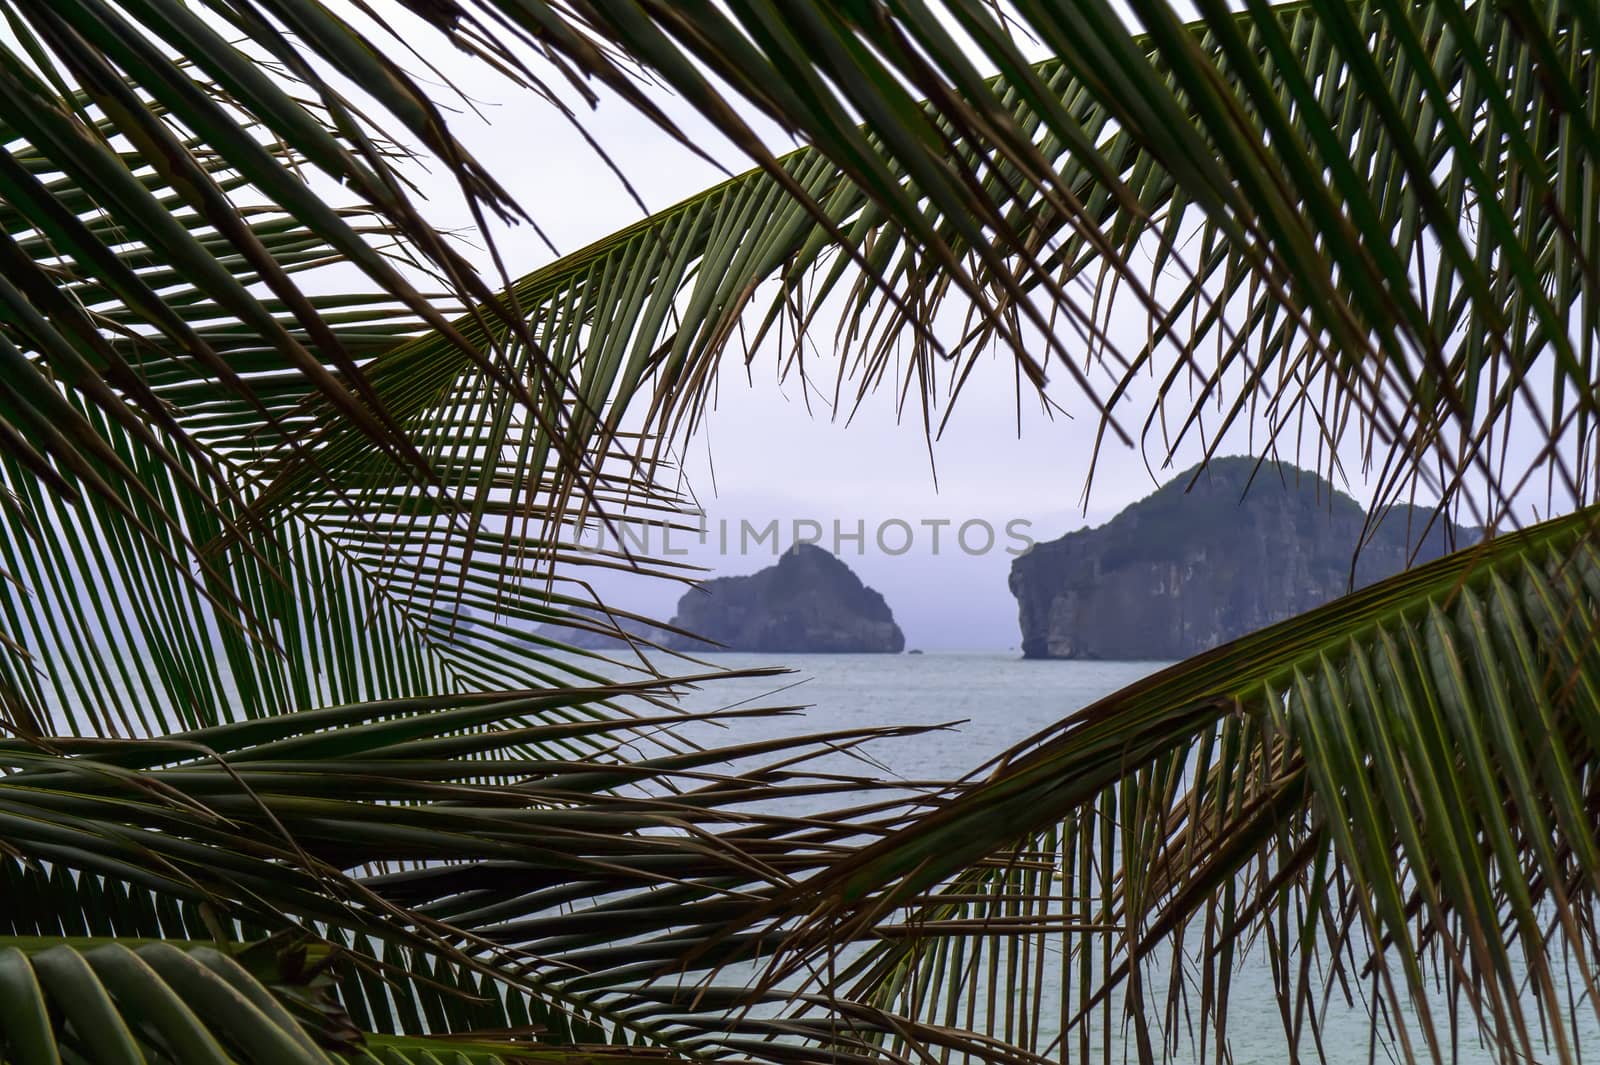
(1337, 231)
(464, 882)
(167, 232)
(345, 990)
(108, 1001)
(295, 543)
(394, 1050)
(105, 1001)
(1403, 777)
(154, 631)
(85, 78)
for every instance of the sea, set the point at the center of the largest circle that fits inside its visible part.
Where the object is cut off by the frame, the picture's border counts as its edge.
(989, 701)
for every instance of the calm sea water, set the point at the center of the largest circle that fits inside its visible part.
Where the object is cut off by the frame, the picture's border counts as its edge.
(993, 701)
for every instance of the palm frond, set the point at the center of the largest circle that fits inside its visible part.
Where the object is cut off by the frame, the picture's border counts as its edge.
(104, 1001)
(465, 882)
(166, 227)
(1312, 202)
(155, 632)
(86, 78)
(1373, 212)
(1378, 215)
(1395, 788)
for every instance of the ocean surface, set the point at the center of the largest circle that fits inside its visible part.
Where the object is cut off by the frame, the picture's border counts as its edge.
(991, 701)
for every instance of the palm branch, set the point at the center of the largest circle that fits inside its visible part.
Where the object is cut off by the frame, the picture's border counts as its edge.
(400, 870)
(1394, 791)
(1346, 217)
(1376, 214)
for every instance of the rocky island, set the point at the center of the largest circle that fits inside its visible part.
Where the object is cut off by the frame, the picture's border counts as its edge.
(1182, 571)
(808, 603)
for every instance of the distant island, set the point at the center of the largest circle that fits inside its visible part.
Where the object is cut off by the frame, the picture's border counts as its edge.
(809, 602)
(1180, 572)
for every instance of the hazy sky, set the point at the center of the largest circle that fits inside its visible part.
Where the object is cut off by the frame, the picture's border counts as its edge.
(771, 459)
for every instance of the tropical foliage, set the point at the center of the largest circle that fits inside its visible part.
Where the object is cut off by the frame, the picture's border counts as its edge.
(285, 480)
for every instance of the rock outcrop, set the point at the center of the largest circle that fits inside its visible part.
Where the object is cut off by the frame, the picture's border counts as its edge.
(1181, 572)
(809, 603)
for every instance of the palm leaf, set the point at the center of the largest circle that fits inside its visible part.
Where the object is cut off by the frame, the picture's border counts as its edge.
(161, 239)
(1402, 777)
(250, 634)
(1317, 189)
(465, 883)
(115, 1000)
(1392, 199)
(104, 1001)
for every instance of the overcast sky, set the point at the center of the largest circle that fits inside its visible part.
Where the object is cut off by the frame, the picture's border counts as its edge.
(762, 456)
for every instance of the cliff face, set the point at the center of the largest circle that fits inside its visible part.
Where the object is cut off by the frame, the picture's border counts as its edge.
(1176, 574)
(809, 603)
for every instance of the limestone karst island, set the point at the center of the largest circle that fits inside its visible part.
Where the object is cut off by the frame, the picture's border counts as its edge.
(808, 602)
(1207, 559)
